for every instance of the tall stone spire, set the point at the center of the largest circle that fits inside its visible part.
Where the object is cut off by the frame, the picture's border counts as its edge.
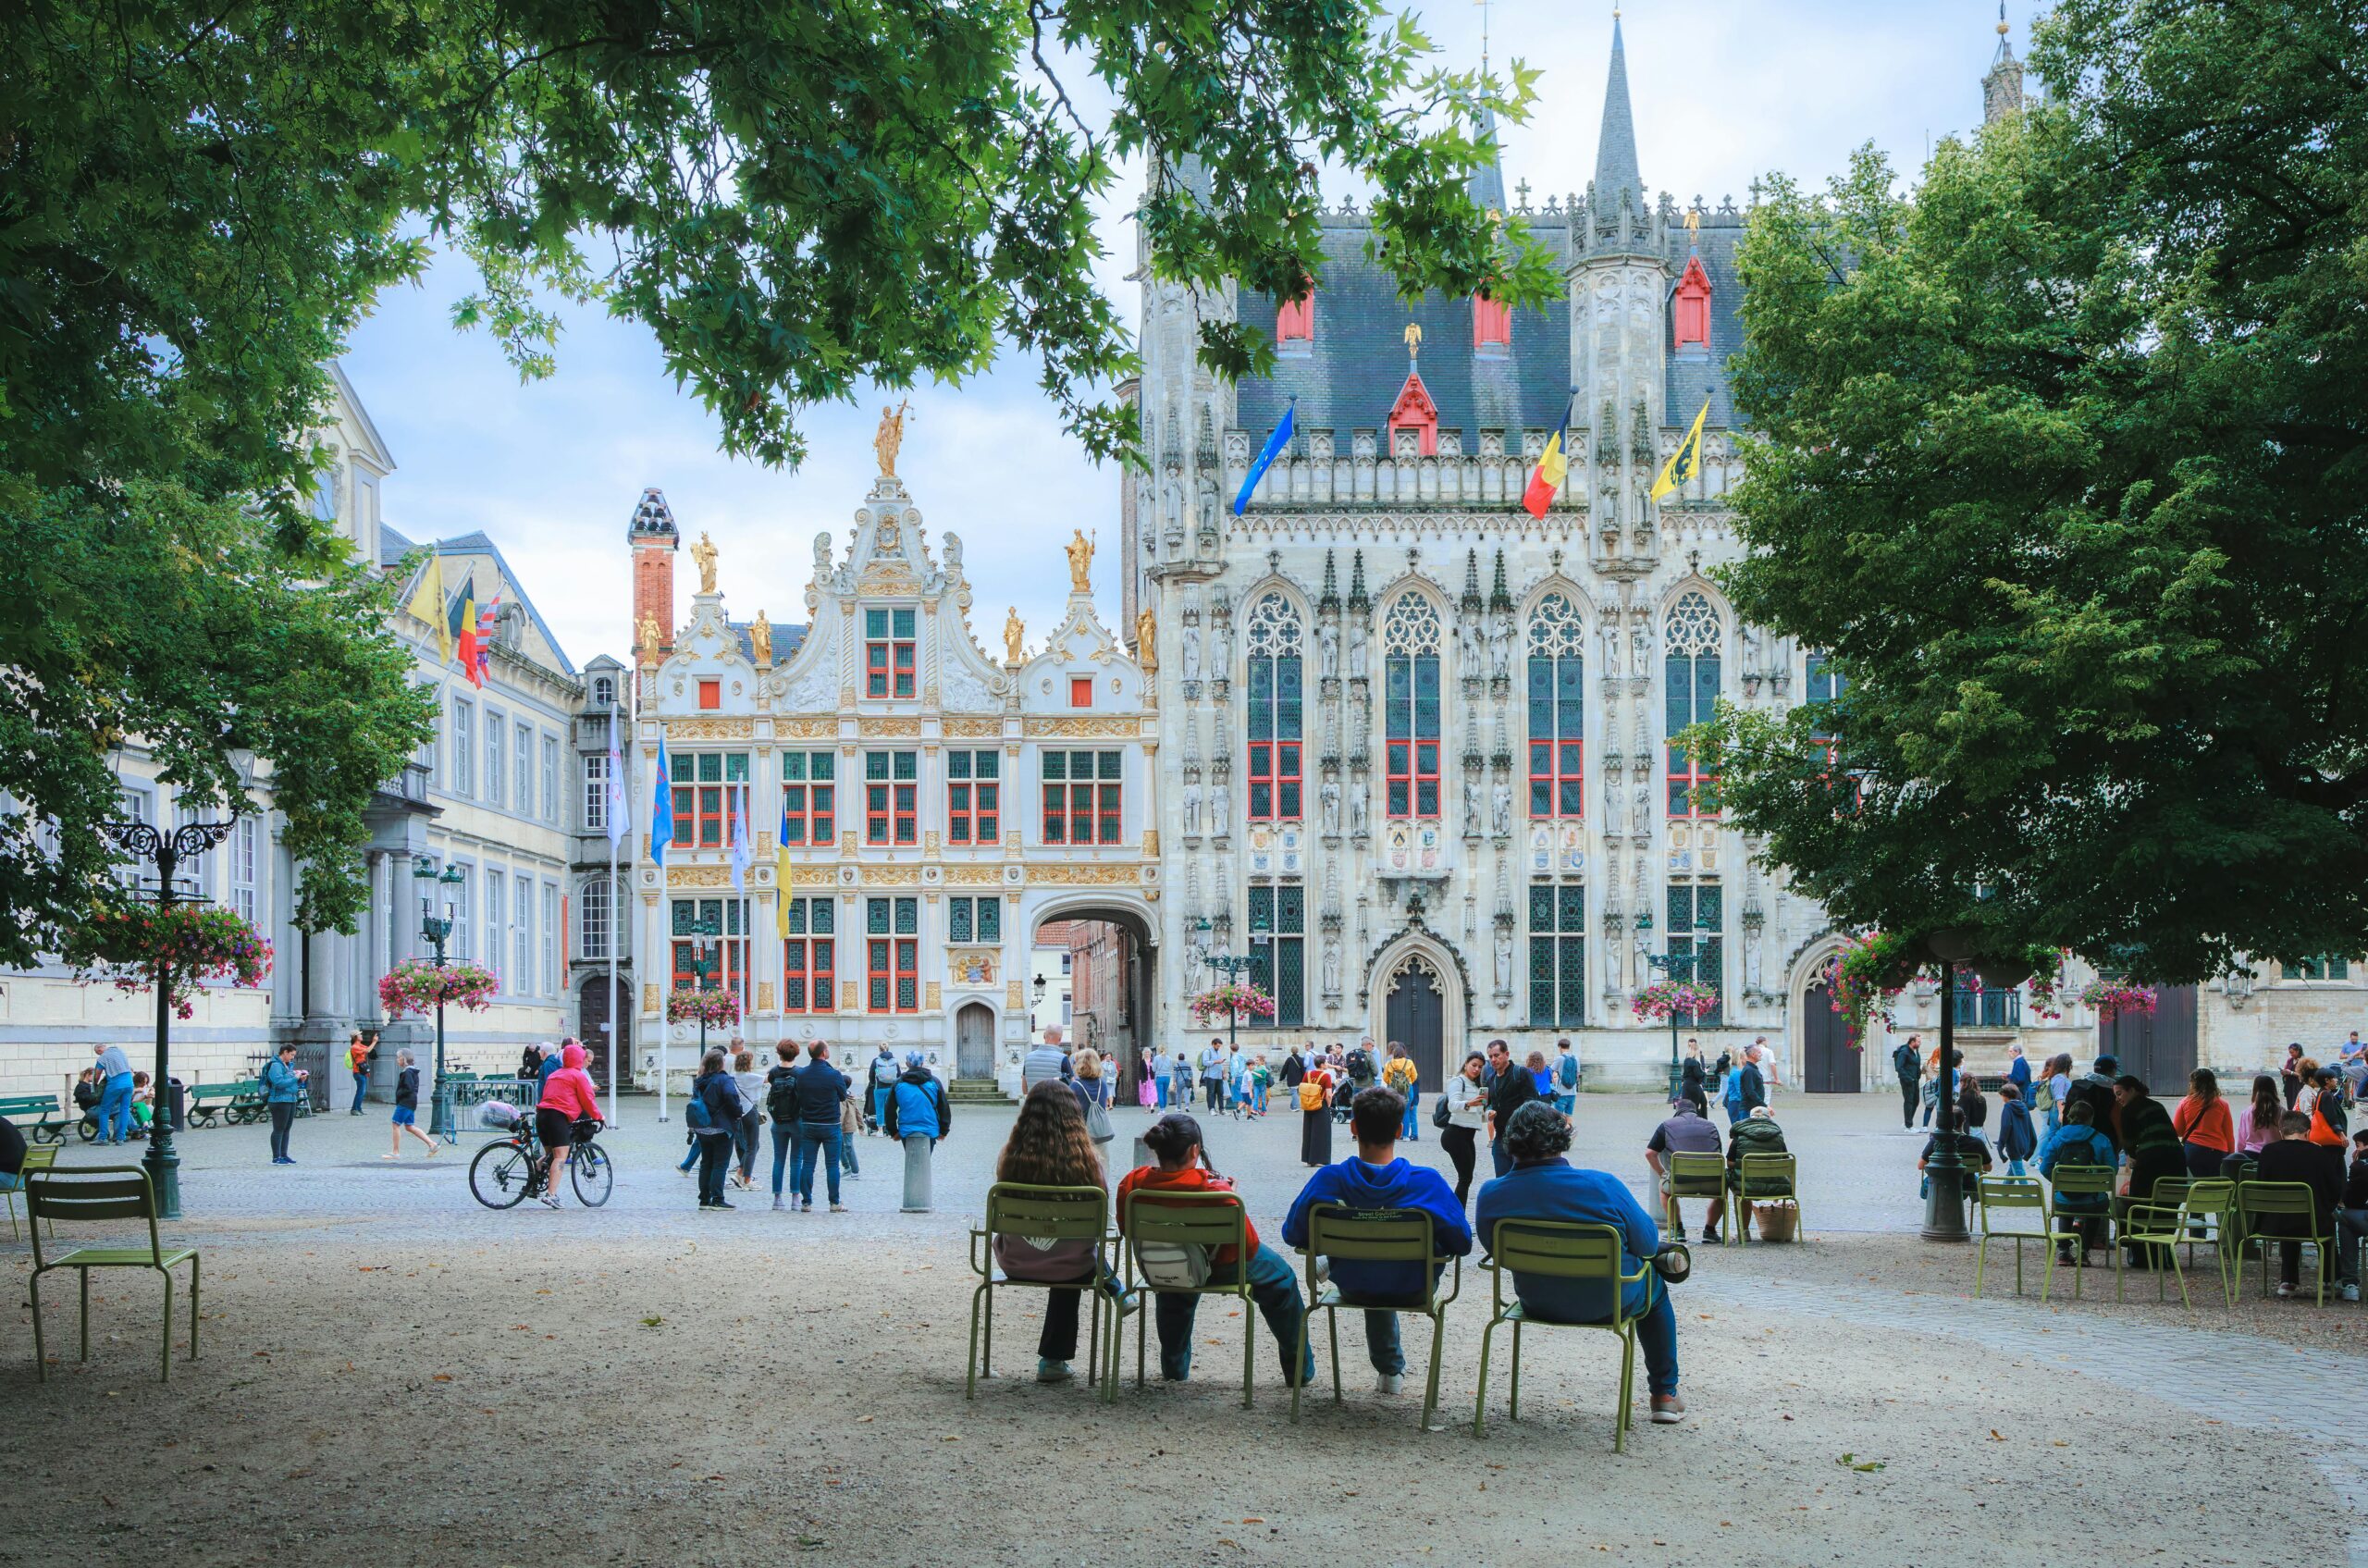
(1487, 182)
(2002, 89)
(1615, 149)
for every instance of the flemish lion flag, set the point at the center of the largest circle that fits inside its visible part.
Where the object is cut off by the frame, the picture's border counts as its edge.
(1686, 461)
(427, 603)
(1553, 465)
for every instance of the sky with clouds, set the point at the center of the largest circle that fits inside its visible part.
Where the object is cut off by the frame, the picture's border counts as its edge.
(1724, 90)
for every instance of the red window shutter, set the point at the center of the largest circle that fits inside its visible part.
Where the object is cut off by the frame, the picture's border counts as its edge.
(1296, 321)
(1691, 308)
(711, 693)
(1081, 691)
(1492, 323)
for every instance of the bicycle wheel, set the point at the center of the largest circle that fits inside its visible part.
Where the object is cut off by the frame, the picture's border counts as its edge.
(593, 1173)
(497, 1177)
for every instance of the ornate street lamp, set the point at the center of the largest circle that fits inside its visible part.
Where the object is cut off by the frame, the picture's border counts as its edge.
(1670, 964)
(1233, 968)
(436, 930)
(166, 851)
(1945, 1173)
(705, 961)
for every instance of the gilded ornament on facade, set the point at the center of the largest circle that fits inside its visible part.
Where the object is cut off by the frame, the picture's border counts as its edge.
(1147, 643)
(1014, 636)
(890, 437)
(703, 552)
(760, 637)
(890, 726)
(1079, 726)
(650, 636)
(715, 728)
(973, 728)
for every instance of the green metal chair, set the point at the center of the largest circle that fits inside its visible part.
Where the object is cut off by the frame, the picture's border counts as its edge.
(1691, 1175)
(1337, 1234)
(1040, 1213)
(2212, 1217)
(1167, 1219)
(2009, 1195)
(1763, 1179)
(2159, 1226)
(2091, 1188)
(98, 1193)
(41, 1156)
(2286, 1200)
(1561, 1250)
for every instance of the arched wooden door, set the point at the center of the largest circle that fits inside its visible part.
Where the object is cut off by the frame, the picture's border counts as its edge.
(974, 1041)
(1830, 1059)
(1416, 1018)
(591, 1012)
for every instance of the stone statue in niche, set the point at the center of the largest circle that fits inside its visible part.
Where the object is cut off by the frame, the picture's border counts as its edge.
(1640, 641)
(1471, 793)
(1220, 809)
(1500, 808)
(1642, 798)
(1500, 649)
(1327, 651)
(1504, 959)
(1751, 964)
(1174, 499)
(1357, 813)
(1191, 652)
(1467, 650)
(1208, 510)
(1330, 796)
(1611, 805)
(1331, 965)
(1192, 810)
(1611, 636)
(1358, 668)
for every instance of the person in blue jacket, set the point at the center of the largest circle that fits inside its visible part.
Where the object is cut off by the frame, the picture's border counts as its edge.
(283, 1086)
(1544, 1185)
(918, 1117)
(2078, 1141)
(1376, 1177)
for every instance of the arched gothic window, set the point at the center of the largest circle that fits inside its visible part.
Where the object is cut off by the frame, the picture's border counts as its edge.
(1557, 709)
(1410, 642)
(1691, 641)
(1276, 686)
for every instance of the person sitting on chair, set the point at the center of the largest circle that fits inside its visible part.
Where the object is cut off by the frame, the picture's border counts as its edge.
(2295, 1158)
(1688, 1131)
(1757, 1133)
(1376, 1177)
(1544, 1185)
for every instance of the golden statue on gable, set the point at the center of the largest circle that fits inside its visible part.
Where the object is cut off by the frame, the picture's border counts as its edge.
(650, 635)
(891, 435)
(761, 637)
(1015, 638)
(704, 553)
(1080, 554)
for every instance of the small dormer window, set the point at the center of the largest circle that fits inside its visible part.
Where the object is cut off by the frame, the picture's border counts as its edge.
(1414, 415)
(710, 695)
(1492, 322)
(604, 692)
(888, 653)
(1081, 691)
(1690, 308)
(1295, 321)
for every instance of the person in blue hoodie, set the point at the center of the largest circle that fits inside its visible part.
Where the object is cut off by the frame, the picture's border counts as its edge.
(1543, 1185)
(1376, 1177)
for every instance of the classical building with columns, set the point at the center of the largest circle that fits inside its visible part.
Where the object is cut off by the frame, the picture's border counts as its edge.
(916, 805)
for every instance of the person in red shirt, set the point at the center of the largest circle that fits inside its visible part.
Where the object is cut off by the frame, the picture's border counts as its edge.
(2204, 1126)
(569, 1097)
(1175, 1141)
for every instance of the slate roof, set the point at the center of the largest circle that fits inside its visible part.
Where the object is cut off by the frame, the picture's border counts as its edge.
(1690, 374)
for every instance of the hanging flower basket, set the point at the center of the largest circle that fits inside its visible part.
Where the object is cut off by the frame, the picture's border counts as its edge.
(1233, 999)
(714, 1008)
(194, 942)
(2112, 998)
(1665, 998)
(1861, 980)
(416, 985)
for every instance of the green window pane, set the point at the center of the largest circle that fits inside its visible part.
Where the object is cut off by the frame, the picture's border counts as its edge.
(823, 765)
(1573, 908)
(990, 920)
(904, 623)
(906, 765)
(735, 767)
(793, 917)
(875, 764)
(1113, 764)
(1541, 905)
(792, 766)
(957, 919)
(1291, 985)
(990, 764)
(908, 915)
(825, 916)
(1572, 1001)
(1709, 901)
(1056, 765)
(875, 916)
(875, 624)
(681, 767)
(1681, 909)
(958, 764)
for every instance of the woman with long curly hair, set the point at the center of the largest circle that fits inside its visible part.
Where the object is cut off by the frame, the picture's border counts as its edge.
(1049, 1147)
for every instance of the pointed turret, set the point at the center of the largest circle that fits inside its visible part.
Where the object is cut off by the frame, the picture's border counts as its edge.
(1487, 182)
(2002, 89)
(1615, 148)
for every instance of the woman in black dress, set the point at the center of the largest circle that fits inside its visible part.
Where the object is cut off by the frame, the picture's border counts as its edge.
(1315, 1115)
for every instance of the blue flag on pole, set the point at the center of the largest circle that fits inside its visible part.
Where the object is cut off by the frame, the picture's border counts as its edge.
(662, 820)
(1266, 455)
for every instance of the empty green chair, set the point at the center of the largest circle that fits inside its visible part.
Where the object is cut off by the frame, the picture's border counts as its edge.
(95, 1194)
(2005, 1198)
(2161, 1227)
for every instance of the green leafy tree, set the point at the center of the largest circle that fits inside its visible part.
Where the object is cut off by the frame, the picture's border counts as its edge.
(198, 202)
(2061, 456)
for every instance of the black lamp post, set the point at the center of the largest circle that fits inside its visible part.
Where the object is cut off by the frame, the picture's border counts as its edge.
(1035, 1000)
(436, 930)
(704, 962)
(165, 851)
(1234, 968)
(1669, 963)
(1945, 1173)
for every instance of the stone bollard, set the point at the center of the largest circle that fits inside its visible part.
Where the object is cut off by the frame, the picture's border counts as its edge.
(916, 1176)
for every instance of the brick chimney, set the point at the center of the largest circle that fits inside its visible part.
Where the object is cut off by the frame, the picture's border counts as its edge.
(654, 540)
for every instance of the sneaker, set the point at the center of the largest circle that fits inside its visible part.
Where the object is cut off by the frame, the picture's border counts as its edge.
(2284, 1289)
(806, 1205)
(2349, 1292)
(723, 1204)
(779, 1207)
(1389, 1383)
(1678, 1233)
(1668, 1410)
(838, 1208)
(549, 1202)
(1709, 1237)
(1051, 1371)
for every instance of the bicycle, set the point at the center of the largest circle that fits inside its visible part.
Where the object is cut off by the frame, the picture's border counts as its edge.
(508, 1171)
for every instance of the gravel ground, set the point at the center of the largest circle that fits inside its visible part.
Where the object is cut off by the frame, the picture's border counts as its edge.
(393, 1375)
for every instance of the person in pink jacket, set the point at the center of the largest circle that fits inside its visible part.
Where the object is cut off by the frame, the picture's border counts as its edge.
(569, 1097)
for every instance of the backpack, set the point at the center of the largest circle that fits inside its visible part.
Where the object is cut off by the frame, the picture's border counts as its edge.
(696, 1115)
(1173, 1265)
(1566, 1071)
(781, 1099)
(1441, 1117)
(1311, 1094)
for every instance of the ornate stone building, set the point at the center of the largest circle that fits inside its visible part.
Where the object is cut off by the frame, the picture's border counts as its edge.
(916, 806)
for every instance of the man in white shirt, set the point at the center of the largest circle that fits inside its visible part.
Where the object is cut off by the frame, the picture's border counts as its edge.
(1212, 1065)
(1047, 1062)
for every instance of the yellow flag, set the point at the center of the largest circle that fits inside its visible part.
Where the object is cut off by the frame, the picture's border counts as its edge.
(1686, 461)
(427, 603)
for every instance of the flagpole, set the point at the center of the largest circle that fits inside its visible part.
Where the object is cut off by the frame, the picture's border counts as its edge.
(665, 915)
(616, 932)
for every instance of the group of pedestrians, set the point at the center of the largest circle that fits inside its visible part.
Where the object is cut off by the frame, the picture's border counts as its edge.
(1050, 1145)
(818, 1117)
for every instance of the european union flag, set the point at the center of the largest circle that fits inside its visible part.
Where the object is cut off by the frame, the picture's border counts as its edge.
(1266, 455)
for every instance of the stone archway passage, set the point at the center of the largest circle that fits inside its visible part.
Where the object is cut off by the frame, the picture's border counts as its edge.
(1415, 1016)
(974, 1041)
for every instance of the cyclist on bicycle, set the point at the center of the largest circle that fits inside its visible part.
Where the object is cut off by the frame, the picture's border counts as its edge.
(568, 1097)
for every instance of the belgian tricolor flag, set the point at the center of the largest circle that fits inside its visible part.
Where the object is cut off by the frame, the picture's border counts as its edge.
(1553, 464)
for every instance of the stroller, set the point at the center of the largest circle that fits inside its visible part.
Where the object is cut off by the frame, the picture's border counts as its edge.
(1342, 1098)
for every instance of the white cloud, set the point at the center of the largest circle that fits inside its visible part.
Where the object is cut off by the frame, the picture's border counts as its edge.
(1722, 89)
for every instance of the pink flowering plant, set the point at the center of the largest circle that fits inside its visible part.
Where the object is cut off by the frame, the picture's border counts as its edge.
(193, 943)
(416, 985)
(1234, 999)
(1664, 998)
(2112, 998)
(713, 1007)
(1865, 975)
